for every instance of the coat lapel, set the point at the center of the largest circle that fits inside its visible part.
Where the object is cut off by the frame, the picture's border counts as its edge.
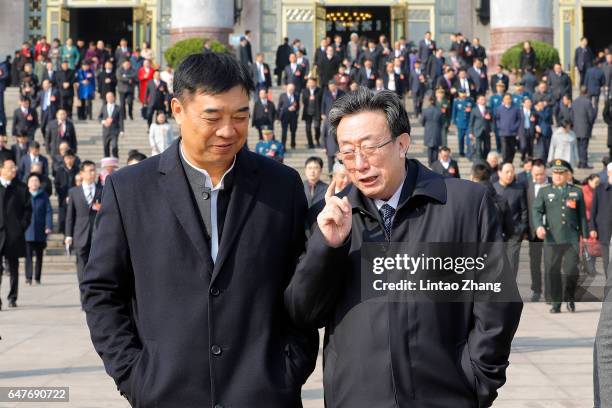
(177, 192)
(244, 191)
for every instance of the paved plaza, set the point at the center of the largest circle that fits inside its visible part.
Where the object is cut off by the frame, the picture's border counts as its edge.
(45, 341)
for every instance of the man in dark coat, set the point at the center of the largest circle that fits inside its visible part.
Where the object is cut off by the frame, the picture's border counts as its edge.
(83, 204)
(311, 112)
(478, 74)
(65, 82)
(64, 180)
(60, 130)
(15, 217)
(583, 120)
(427, 47)
(29, 159)
(314, 188)
(294, 74)
(527, 129)
(328, 66)
(25, 119)
(445, 165)
(4, 83)
(607, 117)
(601, 217)
(559, 84)
(480, 126)
(20, 149)
(232, 349)
(107, 80)
(48, 100)
(156, 96)
(514, 193)
(433, 122)
(508, 122)
(288, 110)
(244, 51)
(397, 200)
(329, 141)
(282, 59)
(264, 112)
(583, 58)
(418, 86)
(112, 126)
(261, 73)
(595, 80)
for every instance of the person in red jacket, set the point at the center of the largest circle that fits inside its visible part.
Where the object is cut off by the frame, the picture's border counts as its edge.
(145, 74)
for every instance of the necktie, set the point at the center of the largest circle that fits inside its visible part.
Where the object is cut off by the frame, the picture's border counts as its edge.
(89, 196)
(387, 213)
(61, 130)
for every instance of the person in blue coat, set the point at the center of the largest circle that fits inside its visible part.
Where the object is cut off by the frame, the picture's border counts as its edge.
(543, 114)
(86, 78)
(462, 106)
(40, 227)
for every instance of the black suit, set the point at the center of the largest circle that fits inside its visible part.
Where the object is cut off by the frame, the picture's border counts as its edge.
(288, 118)
(155, 98)
(25, 166)
(47, 115)
(110, 134)
(535, 243)
(366, 80)
(294, 77)
(15, 217)
(601, 219)
(53, 137)
(425, 51)
(583, 60)
(311, 114)
(105, 87)
(328, 67)
(503, 78)
(236, 346)
(329, 143)
(480, 127)
(80, 217)
(263, 115)
(19, 152)
(526, 136)
(255, 73)
(25, 123)
(64, 180)
(65, 84)
(451, 171)
(517, 201)
(481, 84)
(418, 86)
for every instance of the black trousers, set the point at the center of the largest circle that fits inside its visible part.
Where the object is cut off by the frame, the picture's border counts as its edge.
(126, 99)
(34, 249)
(85, 110)
(562, 286)
(62, 206)
(513, 249)
(508, 148)
(330, 163)
(2, 115)
(595, 102)
(482, 146)
(66, 103)
(535, 265)
(82, 256)
(310, 122)
(417, 101)
(583, 151)
(432, 154)
(111, 145)
(13, 264)
(289, 124)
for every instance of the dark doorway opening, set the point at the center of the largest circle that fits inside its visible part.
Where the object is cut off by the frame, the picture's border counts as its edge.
(596, 26)
(368, 22)
(106, 24)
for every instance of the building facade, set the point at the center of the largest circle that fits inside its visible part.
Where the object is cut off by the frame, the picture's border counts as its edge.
(161, 22)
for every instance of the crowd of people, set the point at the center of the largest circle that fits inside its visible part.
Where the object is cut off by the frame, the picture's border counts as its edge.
(451, 91)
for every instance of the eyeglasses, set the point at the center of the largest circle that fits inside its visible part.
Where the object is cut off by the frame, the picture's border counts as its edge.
(348, 156)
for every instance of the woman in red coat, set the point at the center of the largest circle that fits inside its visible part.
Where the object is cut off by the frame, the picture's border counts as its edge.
(145, 74)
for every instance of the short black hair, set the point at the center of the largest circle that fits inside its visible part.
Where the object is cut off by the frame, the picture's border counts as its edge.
(136, 155)
(211, 73)
(314, 159)
(86, 163)
(538, 163)
(69, 152)
(480, 172)
(34, 175)
(34, 145)
(445, 149)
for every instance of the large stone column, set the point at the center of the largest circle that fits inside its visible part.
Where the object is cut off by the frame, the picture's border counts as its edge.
(202, 18)
(513, 21)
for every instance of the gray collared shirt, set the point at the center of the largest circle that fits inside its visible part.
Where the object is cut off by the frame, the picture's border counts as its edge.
(206, 197)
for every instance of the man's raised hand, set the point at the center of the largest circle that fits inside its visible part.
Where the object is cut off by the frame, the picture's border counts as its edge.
(335, 219)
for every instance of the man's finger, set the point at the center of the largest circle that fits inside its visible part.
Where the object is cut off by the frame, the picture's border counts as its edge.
(330, 190)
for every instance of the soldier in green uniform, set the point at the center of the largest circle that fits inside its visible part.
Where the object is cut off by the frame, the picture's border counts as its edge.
(560, 221)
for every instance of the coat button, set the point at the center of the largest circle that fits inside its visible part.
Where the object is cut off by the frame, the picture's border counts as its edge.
(205, 195)
(216, 350)
(215, 291)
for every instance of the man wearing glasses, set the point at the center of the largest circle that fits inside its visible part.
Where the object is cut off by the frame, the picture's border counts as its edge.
(388, 354)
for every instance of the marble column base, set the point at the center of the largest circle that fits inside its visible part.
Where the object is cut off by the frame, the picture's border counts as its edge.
(506, 37)
(220, 34)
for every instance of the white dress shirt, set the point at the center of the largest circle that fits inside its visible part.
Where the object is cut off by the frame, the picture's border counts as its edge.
(214, 194)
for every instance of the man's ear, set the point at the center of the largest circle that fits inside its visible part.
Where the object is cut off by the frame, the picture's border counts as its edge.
(404, 143)
(178, 110)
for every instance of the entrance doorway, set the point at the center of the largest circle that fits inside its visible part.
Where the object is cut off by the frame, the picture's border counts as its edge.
(369, 22)
(596, 27)
(106, 24)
